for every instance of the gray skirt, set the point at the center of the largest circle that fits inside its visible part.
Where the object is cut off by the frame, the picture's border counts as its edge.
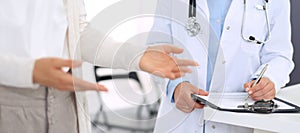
(43, 110)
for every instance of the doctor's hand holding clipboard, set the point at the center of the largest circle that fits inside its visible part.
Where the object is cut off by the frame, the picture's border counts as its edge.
(182, 97)
(264, 89)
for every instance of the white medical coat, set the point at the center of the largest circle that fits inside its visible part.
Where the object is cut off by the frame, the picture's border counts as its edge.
(239, 60)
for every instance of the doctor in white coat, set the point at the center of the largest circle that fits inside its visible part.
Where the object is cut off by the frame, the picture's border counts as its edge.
(242, 60)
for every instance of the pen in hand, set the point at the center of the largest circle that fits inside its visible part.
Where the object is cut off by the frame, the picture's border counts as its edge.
(258, 79)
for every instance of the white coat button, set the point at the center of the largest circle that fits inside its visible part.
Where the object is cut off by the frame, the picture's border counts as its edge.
(228, 28)
(223, 62)
(213, 127)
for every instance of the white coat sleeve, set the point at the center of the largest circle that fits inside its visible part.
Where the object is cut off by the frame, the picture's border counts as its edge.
(278, 52)
(161, 32)
(16, 71)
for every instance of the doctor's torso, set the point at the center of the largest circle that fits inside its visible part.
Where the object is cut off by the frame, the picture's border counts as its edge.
(241, 59)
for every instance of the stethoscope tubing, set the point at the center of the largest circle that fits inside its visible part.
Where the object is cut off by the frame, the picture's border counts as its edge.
(192, 8)
(253, 38)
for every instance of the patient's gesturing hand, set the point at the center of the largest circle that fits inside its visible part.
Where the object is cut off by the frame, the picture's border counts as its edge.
(182, 96)
(48, 72)
(156, 60)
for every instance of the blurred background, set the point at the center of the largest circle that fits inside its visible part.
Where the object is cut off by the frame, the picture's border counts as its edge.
(131, 104)
(295, 76)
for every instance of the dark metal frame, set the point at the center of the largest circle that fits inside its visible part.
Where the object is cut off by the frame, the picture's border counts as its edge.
(131, 75)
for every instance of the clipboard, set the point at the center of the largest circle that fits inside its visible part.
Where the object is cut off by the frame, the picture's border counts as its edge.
(262, 106)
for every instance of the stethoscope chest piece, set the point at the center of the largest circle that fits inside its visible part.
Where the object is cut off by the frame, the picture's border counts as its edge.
(192, 26)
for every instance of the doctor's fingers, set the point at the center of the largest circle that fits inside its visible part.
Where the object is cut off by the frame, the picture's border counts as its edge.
(248, 85)
(190, 102)
(268, 92)
(182, 95)
(268, 96)
(202, 92)
(260, 85)
(199, 106)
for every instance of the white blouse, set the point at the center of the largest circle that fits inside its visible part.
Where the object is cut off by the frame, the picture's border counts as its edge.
(30, 29)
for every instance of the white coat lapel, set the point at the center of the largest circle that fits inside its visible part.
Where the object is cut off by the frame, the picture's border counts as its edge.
(202, 5)
(235, 7)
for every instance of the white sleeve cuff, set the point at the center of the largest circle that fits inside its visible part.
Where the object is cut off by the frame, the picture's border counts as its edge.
(17, 72)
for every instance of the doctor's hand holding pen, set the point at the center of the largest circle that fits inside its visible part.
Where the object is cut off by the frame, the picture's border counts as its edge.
(182, 97)
(155, 60)
(264, 89)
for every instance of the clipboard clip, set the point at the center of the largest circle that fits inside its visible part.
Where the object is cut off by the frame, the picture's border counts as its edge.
(261, 106)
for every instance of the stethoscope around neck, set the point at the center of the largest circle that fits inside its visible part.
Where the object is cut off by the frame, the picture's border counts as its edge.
(193, 27)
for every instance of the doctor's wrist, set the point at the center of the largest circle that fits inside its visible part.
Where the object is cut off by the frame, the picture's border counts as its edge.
(178, 89)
